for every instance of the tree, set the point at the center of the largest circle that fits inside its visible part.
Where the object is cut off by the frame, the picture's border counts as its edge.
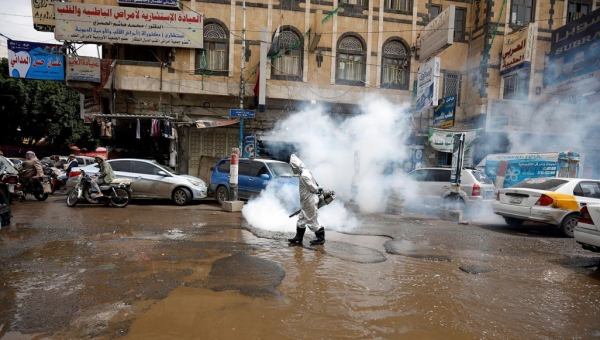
(36, 109)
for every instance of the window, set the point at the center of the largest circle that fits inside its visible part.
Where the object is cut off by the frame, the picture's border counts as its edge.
(395, 65)
(419, 175)
(245, 168)
(214, 58)
(288, 65)
(516, 86)
(434, 11)
(399, 5)
(357, 2)
(145, 168)
(223, 167)
(460, 19)
(124, 166)
(587, 189)
(350, 61)
(578, 8)
(521, 12)
(452, 85)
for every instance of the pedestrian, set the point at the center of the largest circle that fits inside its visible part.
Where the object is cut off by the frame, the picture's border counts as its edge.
(309, 199)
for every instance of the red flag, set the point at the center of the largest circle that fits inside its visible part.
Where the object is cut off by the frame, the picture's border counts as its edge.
(256, 85)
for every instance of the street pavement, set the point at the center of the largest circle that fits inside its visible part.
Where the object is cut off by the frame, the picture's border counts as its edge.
(155, 270)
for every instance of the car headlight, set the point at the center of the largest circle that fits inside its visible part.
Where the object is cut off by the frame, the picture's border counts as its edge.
(196, 183)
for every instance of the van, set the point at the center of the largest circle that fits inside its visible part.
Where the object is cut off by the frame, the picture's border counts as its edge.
(253, 176)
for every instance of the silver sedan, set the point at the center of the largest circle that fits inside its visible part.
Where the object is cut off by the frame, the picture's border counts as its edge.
(150, 180)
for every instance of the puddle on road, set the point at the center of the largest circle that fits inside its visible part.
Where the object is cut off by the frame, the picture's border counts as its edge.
(202, 286)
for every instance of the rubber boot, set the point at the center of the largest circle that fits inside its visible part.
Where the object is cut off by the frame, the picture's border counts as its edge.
(320, 234)
(299, 236)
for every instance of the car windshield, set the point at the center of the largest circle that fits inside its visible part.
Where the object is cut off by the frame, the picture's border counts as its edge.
(548, 184)
(166, 169)
(481, 177)
(281, 169)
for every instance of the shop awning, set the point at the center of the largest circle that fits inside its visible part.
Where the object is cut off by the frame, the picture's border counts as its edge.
(209, 122)
(129, 116)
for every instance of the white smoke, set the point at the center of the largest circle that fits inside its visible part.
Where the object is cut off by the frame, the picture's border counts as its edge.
(327, 146)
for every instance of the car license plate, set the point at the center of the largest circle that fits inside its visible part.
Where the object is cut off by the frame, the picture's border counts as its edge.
(515, 200)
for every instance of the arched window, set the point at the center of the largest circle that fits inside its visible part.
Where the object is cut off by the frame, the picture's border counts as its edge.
(214, 58)
(395, 65)
(287, 65)
(351, 58)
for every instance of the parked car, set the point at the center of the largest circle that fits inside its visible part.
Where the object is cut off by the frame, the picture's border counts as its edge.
(150, 180)
(587, 232)
(253, 176)
(17, 162)
(555, 201)
(433, 187)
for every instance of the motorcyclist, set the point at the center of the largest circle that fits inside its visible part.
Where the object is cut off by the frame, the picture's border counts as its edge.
(106, 175)
(308, 189)
(32, 167)
(71, 163)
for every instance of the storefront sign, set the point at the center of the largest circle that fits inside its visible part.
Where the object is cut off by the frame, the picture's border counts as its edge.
(128, 25)
(505, 115)
(517, 50)
(438, 34)
(443, 140)
(43, 15)
(443, 114)
(428, 84)
(88, 108)
(153, 3)
(249, 145)
(83, 69)
(575, 49)
(35, 61)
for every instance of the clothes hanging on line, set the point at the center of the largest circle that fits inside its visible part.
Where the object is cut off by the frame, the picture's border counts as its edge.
(137, 129)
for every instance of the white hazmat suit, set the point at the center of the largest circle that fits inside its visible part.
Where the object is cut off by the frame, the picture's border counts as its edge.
(308, 217)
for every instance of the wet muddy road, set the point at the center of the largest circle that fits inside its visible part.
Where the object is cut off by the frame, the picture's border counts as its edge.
(156, 271)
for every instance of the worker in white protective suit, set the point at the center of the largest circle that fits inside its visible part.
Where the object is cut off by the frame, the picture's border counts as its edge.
(308, 200)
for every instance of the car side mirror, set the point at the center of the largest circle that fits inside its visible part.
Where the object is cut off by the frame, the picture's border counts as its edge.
(162, 173)
(265, 177)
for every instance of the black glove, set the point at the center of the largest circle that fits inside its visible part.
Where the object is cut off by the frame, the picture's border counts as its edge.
(320, 191)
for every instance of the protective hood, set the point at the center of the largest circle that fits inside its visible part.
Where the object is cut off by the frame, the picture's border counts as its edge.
(101, 157)
(296, 163)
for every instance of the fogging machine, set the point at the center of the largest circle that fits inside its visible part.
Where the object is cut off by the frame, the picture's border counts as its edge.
(325, 197)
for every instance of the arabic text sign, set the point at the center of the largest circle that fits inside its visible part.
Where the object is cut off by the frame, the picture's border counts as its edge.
(438, 34)
(35, 61)
(443, 140)
(517, 50)
(574, 49)
(443, 114)
(83, 69)
(43, 15)
(161, 3)
(428, 84)
(523, 166)
(128, 25)
(88, 108)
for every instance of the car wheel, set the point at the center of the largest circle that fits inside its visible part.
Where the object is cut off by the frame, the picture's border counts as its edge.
(513, 222)
(222, 194)
(568, 224)
(181, 196)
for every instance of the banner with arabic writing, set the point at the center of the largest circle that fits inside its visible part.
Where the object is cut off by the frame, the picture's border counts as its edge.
(42, 12)
(83, 69)
(443, 114)
(128, 25)
(35, 61)
(517, 50)
(161, 3)
(443, 140)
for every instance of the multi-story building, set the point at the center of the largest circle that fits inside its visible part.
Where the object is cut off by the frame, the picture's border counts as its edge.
(333, 53)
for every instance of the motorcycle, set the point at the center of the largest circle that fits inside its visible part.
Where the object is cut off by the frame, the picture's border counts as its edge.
(58, 182)
(6, 180)
(117, 193)
(38, 187)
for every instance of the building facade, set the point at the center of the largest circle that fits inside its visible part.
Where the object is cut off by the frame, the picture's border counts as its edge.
(331, 52)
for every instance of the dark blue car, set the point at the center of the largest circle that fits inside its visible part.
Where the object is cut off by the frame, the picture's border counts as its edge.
(253, 176)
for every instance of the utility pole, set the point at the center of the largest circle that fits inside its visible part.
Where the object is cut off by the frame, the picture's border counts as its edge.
(242, 81)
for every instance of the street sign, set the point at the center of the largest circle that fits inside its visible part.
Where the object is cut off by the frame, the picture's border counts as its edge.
(241, 113)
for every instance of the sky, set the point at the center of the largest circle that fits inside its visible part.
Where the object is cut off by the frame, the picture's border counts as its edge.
(16, 23)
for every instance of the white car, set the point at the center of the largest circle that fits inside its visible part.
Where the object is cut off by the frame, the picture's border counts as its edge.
(555, 201)
(587, 233)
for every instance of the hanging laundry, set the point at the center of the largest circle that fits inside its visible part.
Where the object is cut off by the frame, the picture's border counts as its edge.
(172, 154)
(95, 127)
(155, 128)
(173, 133)
(137, 129)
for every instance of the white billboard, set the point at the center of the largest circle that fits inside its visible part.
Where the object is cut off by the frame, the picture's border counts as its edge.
(83, 69)
(428, 84)
(42, 12)
(517, 50)
(438, 34)
(127, 25)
